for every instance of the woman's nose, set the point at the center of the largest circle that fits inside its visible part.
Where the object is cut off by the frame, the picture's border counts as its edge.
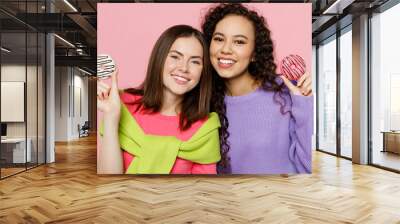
(226, 48)
(183, 66)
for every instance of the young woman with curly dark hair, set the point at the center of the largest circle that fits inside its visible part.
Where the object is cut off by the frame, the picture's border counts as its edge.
(266, 120)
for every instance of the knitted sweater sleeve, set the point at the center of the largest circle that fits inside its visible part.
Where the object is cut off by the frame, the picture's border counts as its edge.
(300, 130)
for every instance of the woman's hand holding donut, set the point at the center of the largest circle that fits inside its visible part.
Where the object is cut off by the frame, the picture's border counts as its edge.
(305, 84)
(303, 87)
(108, 99)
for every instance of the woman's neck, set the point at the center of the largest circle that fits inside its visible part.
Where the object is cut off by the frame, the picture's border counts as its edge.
(241, 85)
(171, 104)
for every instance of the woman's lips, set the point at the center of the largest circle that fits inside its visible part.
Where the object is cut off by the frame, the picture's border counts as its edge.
(225, 63)
(180, 79)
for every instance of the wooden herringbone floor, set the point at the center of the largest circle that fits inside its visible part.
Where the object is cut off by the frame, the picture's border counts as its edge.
(70, 191)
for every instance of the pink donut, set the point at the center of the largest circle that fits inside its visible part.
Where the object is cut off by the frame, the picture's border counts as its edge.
(293, 67)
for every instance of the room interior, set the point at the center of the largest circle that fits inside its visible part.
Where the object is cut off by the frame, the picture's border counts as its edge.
(48, 92)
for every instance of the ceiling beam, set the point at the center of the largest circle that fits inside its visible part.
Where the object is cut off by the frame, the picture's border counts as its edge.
(84, 24)
(81, 61)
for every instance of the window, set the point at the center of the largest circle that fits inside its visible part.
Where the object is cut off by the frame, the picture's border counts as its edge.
(346, 92)
(327, 96)
(385, 89)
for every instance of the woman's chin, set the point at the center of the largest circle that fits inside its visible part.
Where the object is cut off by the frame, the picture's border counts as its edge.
(225, 75)
(179, 91)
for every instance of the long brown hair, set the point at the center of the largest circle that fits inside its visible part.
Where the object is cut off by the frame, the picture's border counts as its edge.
(196, 103)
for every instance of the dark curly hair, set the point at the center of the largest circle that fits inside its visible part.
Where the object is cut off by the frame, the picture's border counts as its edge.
(262, 69)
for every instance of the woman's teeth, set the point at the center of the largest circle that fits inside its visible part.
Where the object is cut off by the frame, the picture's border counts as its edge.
(226, 61)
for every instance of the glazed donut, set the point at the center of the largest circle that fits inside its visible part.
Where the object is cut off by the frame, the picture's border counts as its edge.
(105, 66)
(293, 67)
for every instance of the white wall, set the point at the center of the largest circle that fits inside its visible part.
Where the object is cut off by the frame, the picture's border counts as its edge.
(10, 73)
(16, 73)
(61, 103)
(80, 105)
(33, 127)
(70, 83)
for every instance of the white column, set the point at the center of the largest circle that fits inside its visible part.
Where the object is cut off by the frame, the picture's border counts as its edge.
(360, 90)
(50, 110)
(50, 93)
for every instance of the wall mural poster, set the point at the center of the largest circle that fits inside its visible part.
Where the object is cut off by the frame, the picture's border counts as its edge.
(204, 88)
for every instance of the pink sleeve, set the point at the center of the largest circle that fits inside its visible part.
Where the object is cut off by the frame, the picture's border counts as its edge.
(182, 166)
(128, 98)
(204, 168)
(128, 158)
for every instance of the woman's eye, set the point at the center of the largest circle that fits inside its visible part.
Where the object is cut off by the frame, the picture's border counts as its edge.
(196, 62)
(218, 39)
(239, 42)
(174, 56)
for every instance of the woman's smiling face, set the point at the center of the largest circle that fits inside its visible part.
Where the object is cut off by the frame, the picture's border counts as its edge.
(183, 66)
(232, 46)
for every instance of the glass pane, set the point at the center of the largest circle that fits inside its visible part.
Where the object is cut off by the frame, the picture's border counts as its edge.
(346, 94)
(386, 89)
(17, 9)
(327, 96)
(41, 98)
(23, 82)
(314, 87)
(32, 96)
(13, 85)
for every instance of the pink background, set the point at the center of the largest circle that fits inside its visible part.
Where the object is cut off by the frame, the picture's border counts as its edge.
(128, 31)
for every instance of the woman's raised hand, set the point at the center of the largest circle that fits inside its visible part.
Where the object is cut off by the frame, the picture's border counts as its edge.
(303, 87)
(108, 99)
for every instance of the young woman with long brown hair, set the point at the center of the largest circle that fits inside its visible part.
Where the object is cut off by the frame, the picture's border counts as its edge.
(164, 126)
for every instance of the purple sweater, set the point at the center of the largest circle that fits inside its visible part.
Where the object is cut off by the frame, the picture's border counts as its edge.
(262, 140)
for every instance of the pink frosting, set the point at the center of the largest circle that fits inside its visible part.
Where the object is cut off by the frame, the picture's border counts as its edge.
(293, 67)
